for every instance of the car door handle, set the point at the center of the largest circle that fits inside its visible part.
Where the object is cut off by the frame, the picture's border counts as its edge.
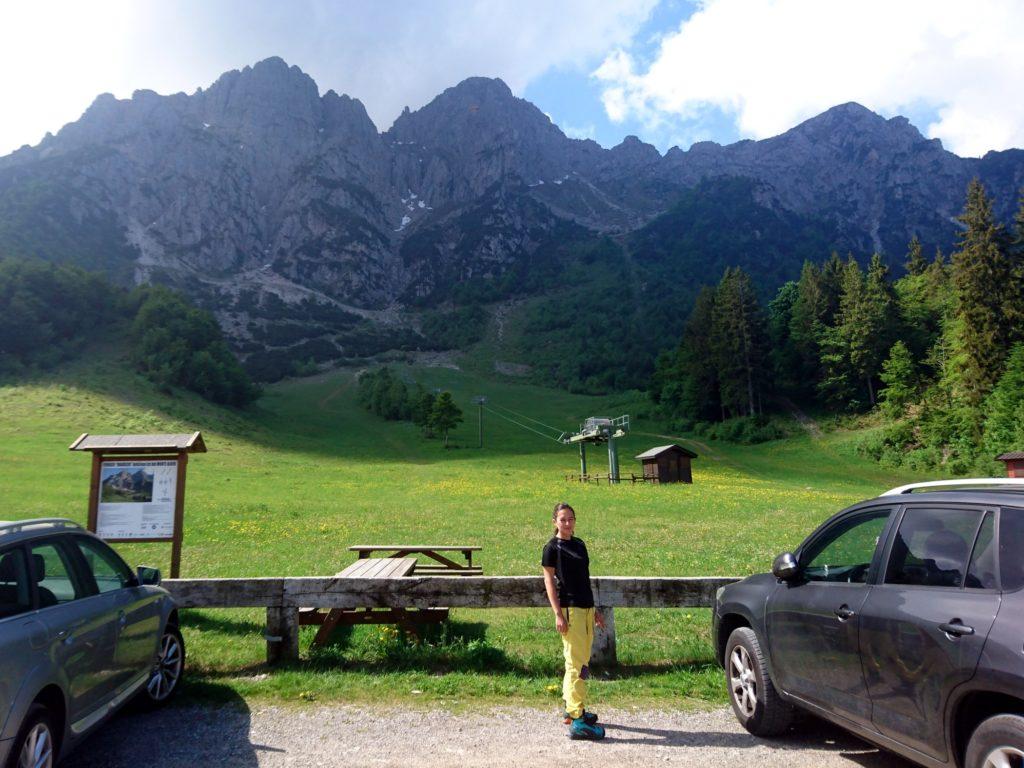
(121, 619)
(956, 629)
(844, 612)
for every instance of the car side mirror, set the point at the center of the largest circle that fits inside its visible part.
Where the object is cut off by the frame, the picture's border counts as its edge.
(147, 576)
(785, 566)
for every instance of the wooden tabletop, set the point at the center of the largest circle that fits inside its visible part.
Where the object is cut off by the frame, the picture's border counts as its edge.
(414, 547)
(379, 568)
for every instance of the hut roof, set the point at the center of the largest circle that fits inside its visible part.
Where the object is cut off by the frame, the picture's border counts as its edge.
(654, 453)
(1010, 455)
(127, 444)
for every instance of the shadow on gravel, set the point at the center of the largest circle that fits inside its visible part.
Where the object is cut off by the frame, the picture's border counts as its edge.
(810, 734)
(173, 737)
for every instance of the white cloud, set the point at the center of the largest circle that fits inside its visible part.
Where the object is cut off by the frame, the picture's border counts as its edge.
(58, 56)
(772, 63)
(56, 59)
(588, 131)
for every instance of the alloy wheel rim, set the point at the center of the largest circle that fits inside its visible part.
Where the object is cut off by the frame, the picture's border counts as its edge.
(37, 752)
(167, 671)
(1004, 757)
(742, 681)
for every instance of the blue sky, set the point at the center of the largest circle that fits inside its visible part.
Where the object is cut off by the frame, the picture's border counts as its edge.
(669, 71)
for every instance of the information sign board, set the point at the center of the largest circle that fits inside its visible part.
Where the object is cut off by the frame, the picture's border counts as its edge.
(136, 499)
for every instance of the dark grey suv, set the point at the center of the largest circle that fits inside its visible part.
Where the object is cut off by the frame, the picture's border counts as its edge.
(80, 635)
(900, 618)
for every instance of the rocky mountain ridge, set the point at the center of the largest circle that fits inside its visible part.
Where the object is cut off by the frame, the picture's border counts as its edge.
(258, 188)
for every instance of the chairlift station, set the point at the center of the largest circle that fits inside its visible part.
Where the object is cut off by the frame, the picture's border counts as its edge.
(599, 430)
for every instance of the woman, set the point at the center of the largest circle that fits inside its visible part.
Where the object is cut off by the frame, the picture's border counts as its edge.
(566, 567)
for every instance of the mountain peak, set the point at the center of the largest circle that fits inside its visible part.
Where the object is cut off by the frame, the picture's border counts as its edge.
(853, 122)
(267, 93)
(849, 109)
(268, 75)
(472, 104)
(633, 149)
(482, 86)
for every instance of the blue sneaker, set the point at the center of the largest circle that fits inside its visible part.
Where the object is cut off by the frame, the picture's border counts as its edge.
(581, 729)
(588, 717)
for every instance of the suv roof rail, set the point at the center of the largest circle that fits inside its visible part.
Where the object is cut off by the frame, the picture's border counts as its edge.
(21, 525)
(1016, 483)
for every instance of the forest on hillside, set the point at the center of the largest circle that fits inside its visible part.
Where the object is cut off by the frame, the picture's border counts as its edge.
(52, 312)
(939, 352)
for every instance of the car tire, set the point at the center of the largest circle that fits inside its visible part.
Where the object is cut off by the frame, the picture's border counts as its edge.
(756, 703)
(997, 741)
(36, 735)
(168, 670)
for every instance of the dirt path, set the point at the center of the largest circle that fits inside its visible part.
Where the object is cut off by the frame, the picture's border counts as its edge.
(311, 736)
(804, 420)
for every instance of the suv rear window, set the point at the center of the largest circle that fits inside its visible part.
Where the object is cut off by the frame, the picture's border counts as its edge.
(932, 546)
(15, 595)
(1011, 548)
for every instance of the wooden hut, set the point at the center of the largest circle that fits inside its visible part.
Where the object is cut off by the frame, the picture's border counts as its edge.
(667, 464)
(1014, 463)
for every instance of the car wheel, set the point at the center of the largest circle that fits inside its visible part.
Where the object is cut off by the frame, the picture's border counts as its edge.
(165, 679)
(997, 742)
(754, 699)
(34, 746)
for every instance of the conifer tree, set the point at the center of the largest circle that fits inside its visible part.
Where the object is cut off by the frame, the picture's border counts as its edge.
(851, 354)
(882, 310)
(1014, 301)
(698, 392)
(738, 343)
(916, 264)
(786, 360)
(1004, 408)
(807, 312)
(981, 277)
(832, 272)
(814, 308)
(899, 378)
(837, 383)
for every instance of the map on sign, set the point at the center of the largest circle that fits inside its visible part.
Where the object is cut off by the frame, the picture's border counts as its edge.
(136, 499)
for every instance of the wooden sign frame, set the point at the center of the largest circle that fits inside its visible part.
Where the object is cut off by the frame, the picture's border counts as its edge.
(142, 448)
(176, 536)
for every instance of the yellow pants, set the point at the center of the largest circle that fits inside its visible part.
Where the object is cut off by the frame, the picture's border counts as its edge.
(576, 645)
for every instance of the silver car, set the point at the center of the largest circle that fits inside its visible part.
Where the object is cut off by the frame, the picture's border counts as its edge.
(80, 635)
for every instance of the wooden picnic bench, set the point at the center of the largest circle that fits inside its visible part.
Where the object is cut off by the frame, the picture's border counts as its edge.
(442, 566)
(371, 568)
(398, 564)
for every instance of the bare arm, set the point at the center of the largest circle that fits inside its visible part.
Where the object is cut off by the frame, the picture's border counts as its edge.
(552, 590)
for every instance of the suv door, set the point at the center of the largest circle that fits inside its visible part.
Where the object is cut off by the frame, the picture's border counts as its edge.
(22, 638)
(138, 609)
(81, 630)
(813, 620)
(923, 627)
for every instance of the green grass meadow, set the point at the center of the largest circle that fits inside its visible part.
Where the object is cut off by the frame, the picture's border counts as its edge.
(288, 485)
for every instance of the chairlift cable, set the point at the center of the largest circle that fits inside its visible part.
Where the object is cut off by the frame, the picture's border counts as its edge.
(518, 424)
(524, 416)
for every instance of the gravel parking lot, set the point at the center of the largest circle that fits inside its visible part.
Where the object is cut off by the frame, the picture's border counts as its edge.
(315, 735)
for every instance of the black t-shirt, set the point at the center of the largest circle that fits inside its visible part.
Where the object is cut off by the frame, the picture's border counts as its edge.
(572, 571)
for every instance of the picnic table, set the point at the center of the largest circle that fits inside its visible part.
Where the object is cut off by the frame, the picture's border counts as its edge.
(397, 564)
(442, 565)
